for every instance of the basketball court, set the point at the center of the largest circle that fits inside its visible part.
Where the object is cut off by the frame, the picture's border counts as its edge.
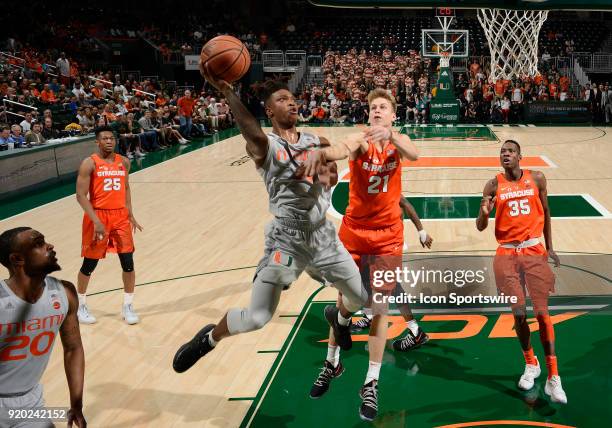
(204, 208)
(196, 259)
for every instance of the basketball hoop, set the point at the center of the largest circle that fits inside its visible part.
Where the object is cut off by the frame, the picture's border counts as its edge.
(513, 40)
(445, 59)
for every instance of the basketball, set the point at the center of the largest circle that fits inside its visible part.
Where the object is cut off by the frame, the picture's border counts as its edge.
(225, 57)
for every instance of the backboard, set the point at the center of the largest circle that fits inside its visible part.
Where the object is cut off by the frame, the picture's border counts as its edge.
(435, 42)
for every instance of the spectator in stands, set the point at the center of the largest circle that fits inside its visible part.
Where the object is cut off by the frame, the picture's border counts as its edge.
(87, 119)
(47, 95)
(185, 106)
(34, 137)
(148, 140)
(17, 135)
(149, 130)
(78, 90)
(109, 113)
(225, 115)
(304, 114)
(6, 141)
(129, 142)
(213, 114)
(63, 66)
(168, 134)
(505, 108)
(26, 123)
(48, 131)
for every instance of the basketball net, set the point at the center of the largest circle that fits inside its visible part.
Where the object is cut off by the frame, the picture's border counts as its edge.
(445, 59)
(513, 40)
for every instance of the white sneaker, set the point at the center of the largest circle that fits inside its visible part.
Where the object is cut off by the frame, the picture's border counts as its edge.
(129, 314)
(183, 141)
(130, 155)
(84, 316)
(529, 376)
(554, 388)
(140, 154)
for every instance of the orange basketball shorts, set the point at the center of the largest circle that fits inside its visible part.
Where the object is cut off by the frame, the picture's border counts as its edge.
(378, 250)
(118, 237)
(528, 267)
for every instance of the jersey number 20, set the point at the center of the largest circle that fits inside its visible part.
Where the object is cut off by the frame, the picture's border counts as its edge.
(375, 181)
(519, 207)
(112, 184)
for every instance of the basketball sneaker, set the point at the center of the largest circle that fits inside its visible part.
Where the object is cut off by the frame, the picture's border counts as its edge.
(369, 401)
(328, 373)
(342, 333)
(189, 354)
(410, 341)
(129, 314)
(554, 389)
(84, 316)
(362, 324)
(529, 376)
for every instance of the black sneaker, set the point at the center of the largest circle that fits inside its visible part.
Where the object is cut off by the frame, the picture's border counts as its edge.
(369, 401)
(328, 372)
(192, 351)
(342, 333)
(410, 341)
(362, 324)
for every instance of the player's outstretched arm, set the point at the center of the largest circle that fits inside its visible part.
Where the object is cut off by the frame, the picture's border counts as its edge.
(405, 146)
(257, 141)
(351, 147)
(82, 189)
(487, 204)
(540, 180)
(74, 357)
(411, 213)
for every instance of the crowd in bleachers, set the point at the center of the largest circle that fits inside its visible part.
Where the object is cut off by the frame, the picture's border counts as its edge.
(341, 96)
(36, 106)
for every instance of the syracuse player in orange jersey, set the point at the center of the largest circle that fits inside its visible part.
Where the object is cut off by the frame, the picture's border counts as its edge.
(108, 221)
(522, 215)
(372, 228)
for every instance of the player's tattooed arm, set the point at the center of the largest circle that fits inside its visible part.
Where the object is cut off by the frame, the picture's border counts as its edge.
(486, 204)
(74, 356)
(540, 180)
(256, 139)
(82, 190)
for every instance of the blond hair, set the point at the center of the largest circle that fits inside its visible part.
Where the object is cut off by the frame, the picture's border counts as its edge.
(382, 93)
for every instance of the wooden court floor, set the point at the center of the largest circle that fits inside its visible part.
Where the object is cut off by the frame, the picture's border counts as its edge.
(203, 215)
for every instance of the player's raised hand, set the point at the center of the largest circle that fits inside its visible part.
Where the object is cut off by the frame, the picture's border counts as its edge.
(377, 133)
(555, 258)
(219, 84)
(75, 416)
(99, 231)
(487, 204)
(135, 224)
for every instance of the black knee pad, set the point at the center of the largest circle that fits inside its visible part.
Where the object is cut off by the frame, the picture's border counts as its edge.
(89, 265)
(127, 261)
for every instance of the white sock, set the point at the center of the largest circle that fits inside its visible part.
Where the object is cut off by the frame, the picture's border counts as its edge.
(343, 321)
(413, 326)
(82, 299)
(373, 372)
(128, 298)
(333, 355)
(211, 341)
